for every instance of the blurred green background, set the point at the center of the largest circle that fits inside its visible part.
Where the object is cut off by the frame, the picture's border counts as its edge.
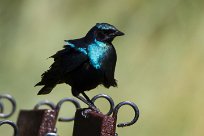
(160, 63)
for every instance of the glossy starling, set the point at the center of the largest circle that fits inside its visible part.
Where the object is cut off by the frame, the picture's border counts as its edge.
(84, 63)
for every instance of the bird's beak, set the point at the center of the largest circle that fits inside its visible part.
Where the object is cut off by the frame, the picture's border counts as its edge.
(119, 33)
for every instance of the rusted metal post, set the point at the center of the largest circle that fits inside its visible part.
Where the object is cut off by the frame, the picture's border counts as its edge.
(39, 122)
(36, 122)
(90, 123)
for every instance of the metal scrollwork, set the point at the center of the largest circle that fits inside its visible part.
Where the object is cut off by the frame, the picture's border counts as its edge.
(16, 133)
(45, 102)
(13, 103)
(110, 100)
(135, 108)
(59, 104)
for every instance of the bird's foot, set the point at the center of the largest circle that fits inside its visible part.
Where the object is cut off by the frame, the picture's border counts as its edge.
(89, 103)
(85, 112)
(94, 108)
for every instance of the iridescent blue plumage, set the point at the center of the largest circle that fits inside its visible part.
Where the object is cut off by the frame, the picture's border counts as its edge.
(83, 50)
(96, 53)
(84, 63)
(105, 26)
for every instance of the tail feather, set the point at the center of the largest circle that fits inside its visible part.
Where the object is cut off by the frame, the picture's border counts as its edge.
(38, 84)
(46, 90)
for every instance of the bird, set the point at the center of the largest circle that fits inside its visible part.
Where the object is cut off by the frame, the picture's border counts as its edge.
(84, 63)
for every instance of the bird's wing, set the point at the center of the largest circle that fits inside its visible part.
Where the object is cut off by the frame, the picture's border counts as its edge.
(108, 66)
(69, 58)
(65, 61)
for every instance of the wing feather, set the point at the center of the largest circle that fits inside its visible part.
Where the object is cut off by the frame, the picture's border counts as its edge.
(109, 63)
(65, 61)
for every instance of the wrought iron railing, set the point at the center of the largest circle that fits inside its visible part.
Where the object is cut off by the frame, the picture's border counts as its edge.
(43, 121)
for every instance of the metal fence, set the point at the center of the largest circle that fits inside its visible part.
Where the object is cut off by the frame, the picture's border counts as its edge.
(42, 122)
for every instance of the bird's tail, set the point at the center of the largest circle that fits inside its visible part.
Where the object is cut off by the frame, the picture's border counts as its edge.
(46, 89)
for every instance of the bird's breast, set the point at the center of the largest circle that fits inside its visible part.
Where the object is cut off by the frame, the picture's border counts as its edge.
(97, 52)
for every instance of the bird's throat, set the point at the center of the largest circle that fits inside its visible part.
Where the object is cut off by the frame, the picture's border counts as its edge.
(96, 53)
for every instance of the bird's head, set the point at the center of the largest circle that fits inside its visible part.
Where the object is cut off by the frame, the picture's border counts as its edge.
(104, 32)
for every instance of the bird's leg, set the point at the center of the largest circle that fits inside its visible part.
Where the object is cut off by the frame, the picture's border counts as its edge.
(87, 98)
(87, 101)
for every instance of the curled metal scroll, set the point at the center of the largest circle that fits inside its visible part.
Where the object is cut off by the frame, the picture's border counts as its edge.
(59, 104)
(135, 108)
(45, 102)
(1, 108)
(110, 100)
(13, 103)
(16, 133)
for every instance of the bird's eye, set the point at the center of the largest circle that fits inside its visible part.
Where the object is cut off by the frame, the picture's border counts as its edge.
(100, 35)
(108, 32)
